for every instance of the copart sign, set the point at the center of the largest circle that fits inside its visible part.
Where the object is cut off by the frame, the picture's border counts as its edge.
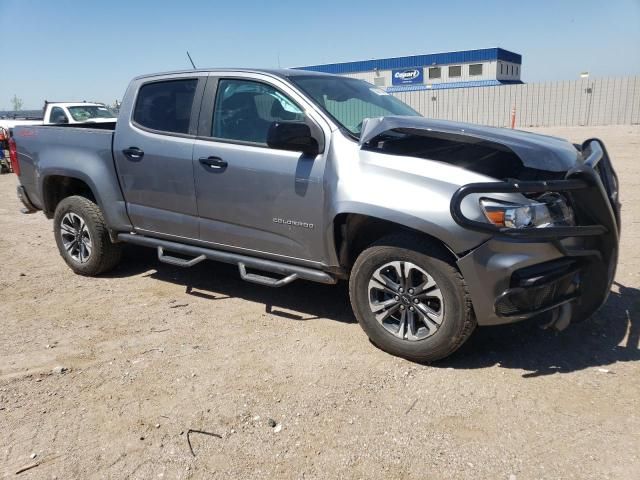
(407, 76)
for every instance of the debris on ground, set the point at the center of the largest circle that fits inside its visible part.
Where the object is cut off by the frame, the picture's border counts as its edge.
(27, 467)
(190, 431)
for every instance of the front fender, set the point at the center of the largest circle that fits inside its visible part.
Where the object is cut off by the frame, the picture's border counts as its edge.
(439, 226)
(411, 192)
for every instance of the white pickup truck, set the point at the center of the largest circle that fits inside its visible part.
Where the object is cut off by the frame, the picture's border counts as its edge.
(56, 113)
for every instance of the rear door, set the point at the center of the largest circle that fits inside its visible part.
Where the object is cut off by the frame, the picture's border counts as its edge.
(153, 151)
(253, 198)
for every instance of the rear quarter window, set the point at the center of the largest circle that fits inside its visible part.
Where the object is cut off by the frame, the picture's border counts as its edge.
(165, 106)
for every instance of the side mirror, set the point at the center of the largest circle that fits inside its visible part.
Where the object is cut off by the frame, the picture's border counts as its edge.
(294, 136)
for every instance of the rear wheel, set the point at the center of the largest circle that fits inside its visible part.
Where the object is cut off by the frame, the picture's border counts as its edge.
(410, 299)
(83, 238)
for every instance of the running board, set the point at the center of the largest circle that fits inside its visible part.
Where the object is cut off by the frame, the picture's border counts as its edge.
(178, 262)
(262, 280)
(291, 272)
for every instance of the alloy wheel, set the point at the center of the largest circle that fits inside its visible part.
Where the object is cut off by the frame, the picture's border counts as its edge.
(76, 238)
(406, 300)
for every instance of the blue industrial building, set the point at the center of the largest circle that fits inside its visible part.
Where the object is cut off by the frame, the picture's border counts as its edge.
(468, 68)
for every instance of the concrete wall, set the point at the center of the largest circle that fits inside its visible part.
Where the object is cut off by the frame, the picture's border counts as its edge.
(604, 101)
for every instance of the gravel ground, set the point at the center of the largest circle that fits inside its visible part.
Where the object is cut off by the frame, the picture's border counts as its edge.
(105, 377)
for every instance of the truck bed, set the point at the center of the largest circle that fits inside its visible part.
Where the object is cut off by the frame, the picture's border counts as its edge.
(89, 125)
(83, 148)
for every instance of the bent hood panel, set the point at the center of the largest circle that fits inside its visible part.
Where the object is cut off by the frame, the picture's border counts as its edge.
(536, 151)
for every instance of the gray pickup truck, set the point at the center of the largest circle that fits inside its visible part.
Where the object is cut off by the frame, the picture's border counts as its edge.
(437, 226)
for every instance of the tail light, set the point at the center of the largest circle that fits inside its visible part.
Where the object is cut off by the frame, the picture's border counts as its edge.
(13, 156)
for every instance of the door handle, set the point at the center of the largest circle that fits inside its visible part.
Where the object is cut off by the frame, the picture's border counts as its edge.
(134, 153)
(214, 162)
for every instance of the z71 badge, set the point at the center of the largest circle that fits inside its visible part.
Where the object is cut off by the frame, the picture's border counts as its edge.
(293, 223)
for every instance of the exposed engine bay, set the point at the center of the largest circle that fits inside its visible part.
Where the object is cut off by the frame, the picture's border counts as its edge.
(499, 153)
(478, 155)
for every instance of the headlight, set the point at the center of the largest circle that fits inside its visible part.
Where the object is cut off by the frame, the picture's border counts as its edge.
(548, 210)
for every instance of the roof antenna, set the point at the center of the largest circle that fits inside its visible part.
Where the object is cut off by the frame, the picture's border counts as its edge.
(192, 64)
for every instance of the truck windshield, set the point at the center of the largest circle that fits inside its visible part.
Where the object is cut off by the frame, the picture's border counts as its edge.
(349, 101)
(82, 113)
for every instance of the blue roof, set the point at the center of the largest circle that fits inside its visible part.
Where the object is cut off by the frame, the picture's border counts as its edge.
(442, 86)
(466, 56)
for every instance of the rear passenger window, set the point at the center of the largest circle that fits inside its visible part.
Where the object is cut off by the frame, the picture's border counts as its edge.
(58, 116)
(165, 106)
(245, 110)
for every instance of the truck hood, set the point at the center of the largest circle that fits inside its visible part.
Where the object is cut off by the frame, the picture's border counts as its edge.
(496, 152)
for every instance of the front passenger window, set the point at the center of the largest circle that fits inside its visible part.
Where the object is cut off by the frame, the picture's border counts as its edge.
(244, 110)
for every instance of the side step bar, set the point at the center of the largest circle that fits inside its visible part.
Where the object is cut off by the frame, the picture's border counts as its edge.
(262, 280)
(291, 272)
(178, 262)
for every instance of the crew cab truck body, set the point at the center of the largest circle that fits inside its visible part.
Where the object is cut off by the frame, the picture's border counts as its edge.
(438, 226)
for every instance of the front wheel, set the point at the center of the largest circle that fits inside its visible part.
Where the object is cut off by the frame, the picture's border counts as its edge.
(83, 238)
(410, 299)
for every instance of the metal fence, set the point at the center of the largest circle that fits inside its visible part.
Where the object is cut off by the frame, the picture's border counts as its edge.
(604, 101)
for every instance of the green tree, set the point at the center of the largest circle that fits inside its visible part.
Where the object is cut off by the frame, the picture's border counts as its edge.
(17, 103)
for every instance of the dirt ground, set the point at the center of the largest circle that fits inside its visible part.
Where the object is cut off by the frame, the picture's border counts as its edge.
(152, 351)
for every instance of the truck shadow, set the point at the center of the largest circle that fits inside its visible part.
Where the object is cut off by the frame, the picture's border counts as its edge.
(215, 281)
(611, 335)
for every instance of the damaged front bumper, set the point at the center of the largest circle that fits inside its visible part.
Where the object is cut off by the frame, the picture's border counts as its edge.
(566, 271)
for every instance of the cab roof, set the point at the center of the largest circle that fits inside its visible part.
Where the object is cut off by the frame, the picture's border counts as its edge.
(276, 72)
(74, 104)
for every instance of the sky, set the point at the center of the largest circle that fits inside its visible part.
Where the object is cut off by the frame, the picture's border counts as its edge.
(68, 50)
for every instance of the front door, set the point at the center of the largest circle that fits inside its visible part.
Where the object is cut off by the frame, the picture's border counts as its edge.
(153, 154)
(253, 198)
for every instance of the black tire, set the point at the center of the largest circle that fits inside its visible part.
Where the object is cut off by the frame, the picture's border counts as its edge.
(458, 320)
(104, 254)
